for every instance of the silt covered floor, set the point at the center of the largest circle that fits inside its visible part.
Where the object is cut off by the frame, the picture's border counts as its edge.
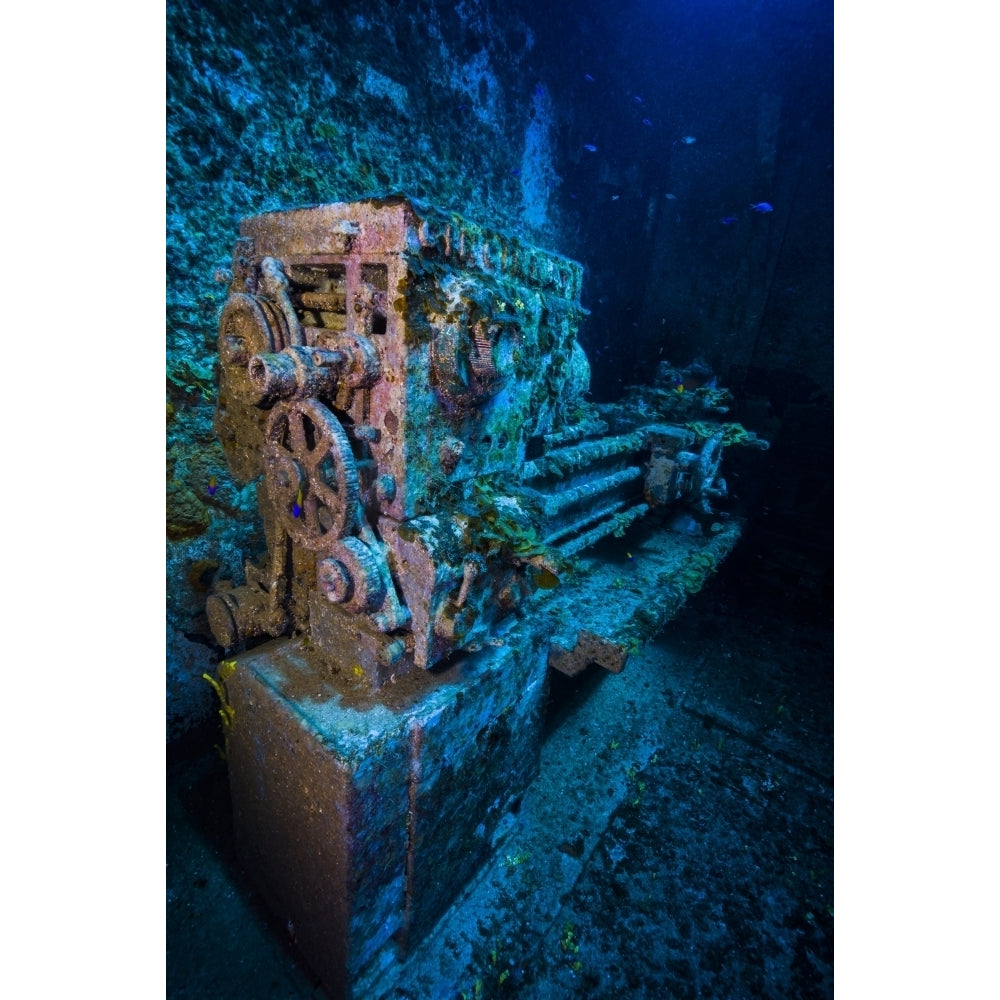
(677, 844)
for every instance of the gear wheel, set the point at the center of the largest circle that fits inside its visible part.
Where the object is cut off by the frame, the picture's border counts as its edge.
(350, 576)
(310, 473)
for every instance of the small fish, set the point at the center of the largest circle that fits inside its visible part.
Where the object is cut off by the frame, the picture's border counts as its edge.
(588, 78)
(729, 220)
(637, 99)
(615, 197)
(212, 486)
(670, 197)
(630, 556)
(297, 506)
(688, 140)
(515, 172)
(590, 147)
(646, 121)
(763, 207)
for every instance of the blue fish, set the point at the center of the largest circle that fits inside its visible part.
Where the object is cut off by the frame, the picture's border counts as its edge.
(590, 147)
(212, 486)
(763, 207)
(297, 506)
(729, 220)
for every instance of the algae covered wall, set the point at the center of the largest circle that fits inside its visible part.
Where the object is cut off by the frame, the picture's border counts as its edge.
(278, 105)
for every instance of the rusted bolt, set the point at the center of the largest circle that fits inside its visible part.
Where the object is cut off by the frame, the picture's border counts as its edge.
(365, 432)
(385, 488)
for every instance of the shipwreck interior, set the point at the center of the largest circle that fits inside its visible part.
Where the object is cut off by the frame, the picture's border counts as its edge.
(499, 494)
(407, 390)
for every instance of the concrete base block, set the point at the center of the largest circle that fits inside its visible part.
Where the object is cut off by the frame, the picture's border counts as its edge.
(359, 819)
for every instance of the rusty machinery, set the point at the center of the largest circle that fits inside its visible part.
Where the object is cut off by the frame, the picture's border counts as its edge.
(409, 388)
